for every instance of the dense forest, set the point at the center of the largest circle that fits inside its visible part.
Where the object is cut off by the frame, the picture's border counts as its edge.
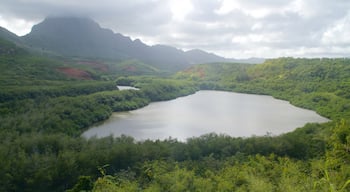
(44, 110)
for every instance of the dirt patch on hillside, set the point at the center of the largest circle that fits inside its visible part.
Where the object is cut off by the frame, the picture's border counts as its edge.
(129, 68)
(199, 72)
(75, 73)
(95, 65)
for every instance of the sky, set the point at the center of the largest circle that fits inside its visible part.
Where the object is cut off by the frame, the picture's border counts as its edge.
(229, 28)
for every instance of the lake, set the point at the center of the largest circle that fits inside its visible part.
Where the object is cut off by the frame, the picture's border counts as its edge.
(234, 114)
(121, 88)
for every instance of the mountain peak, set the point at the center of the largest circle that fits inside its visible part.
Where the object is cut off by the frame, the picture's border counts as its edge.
(65, 25)
(69, 19)
(77, 36)
(83, 37)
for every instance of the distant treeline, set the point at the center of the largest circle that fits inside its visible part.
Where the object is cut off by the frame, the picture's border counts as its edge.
(10, 93)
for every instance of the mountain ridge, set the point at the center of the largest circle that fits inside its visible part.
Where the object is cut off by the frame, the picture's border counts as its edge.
(83, 37)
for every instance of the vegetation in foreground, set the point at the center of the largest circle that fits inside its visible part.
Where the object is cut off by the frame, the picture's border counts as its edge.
(44, 111)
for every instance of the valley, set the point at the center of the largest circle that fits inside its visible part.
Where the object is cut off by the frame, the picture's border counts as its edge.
(51, 93)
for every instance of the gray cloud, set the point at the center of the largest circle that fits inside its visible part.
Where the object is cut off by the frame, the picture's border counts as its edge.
(232, 28)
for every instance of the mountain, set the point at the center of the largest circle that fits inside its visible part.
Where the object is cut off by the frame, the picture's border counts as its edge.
(197, 56)
(9, 36)
(79, 37)
(83, 37)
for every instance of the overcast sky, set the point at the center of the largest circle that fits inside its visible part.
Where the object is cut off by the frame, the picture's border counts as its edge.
(230, 28)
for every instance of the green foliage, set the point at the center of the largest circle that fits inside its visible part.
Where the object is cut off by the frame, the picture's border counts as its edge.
(134, 67)
(318, 84)
(242, 172)
(45, 110)
(257, 173)
(167, 89)
(84, 184)
(10, 93)
(69, 115)
(218, 163)
(42, 118)
(337, 165)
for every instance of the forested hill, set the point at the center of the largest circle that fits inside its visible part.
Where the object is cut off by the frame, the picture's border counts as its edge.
(319, 84)
(44, 110)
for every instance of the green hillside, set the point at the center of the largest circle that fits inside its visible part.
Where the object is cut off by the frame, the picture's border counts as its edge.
(319, 84)
(27, 74)
(313, 158)
(46, 103)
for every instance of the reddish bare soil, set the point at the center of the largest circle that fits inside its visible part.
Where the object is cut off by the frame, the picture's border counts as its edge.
(75, 73)
(129, 68)
(95, 65)
(196, 71)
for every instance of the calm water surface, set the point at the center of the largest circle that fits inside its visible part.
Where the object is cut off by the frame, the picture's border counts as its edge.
(121, 88)
(234, 114)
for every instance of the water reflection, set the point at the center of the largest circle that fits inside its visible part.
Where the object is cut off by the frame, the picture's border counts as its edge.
(234, 114)
(121, 88)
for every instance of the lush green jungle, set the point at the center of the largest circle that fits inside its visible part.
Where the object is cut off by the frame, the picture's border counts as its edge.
(47, 102)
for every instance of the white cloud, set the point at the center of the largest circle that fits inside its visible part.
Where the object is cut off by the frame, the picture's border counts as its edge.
(338, 33)
(229, 6)
(17, 25)
(180, 9)
(232, 28)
